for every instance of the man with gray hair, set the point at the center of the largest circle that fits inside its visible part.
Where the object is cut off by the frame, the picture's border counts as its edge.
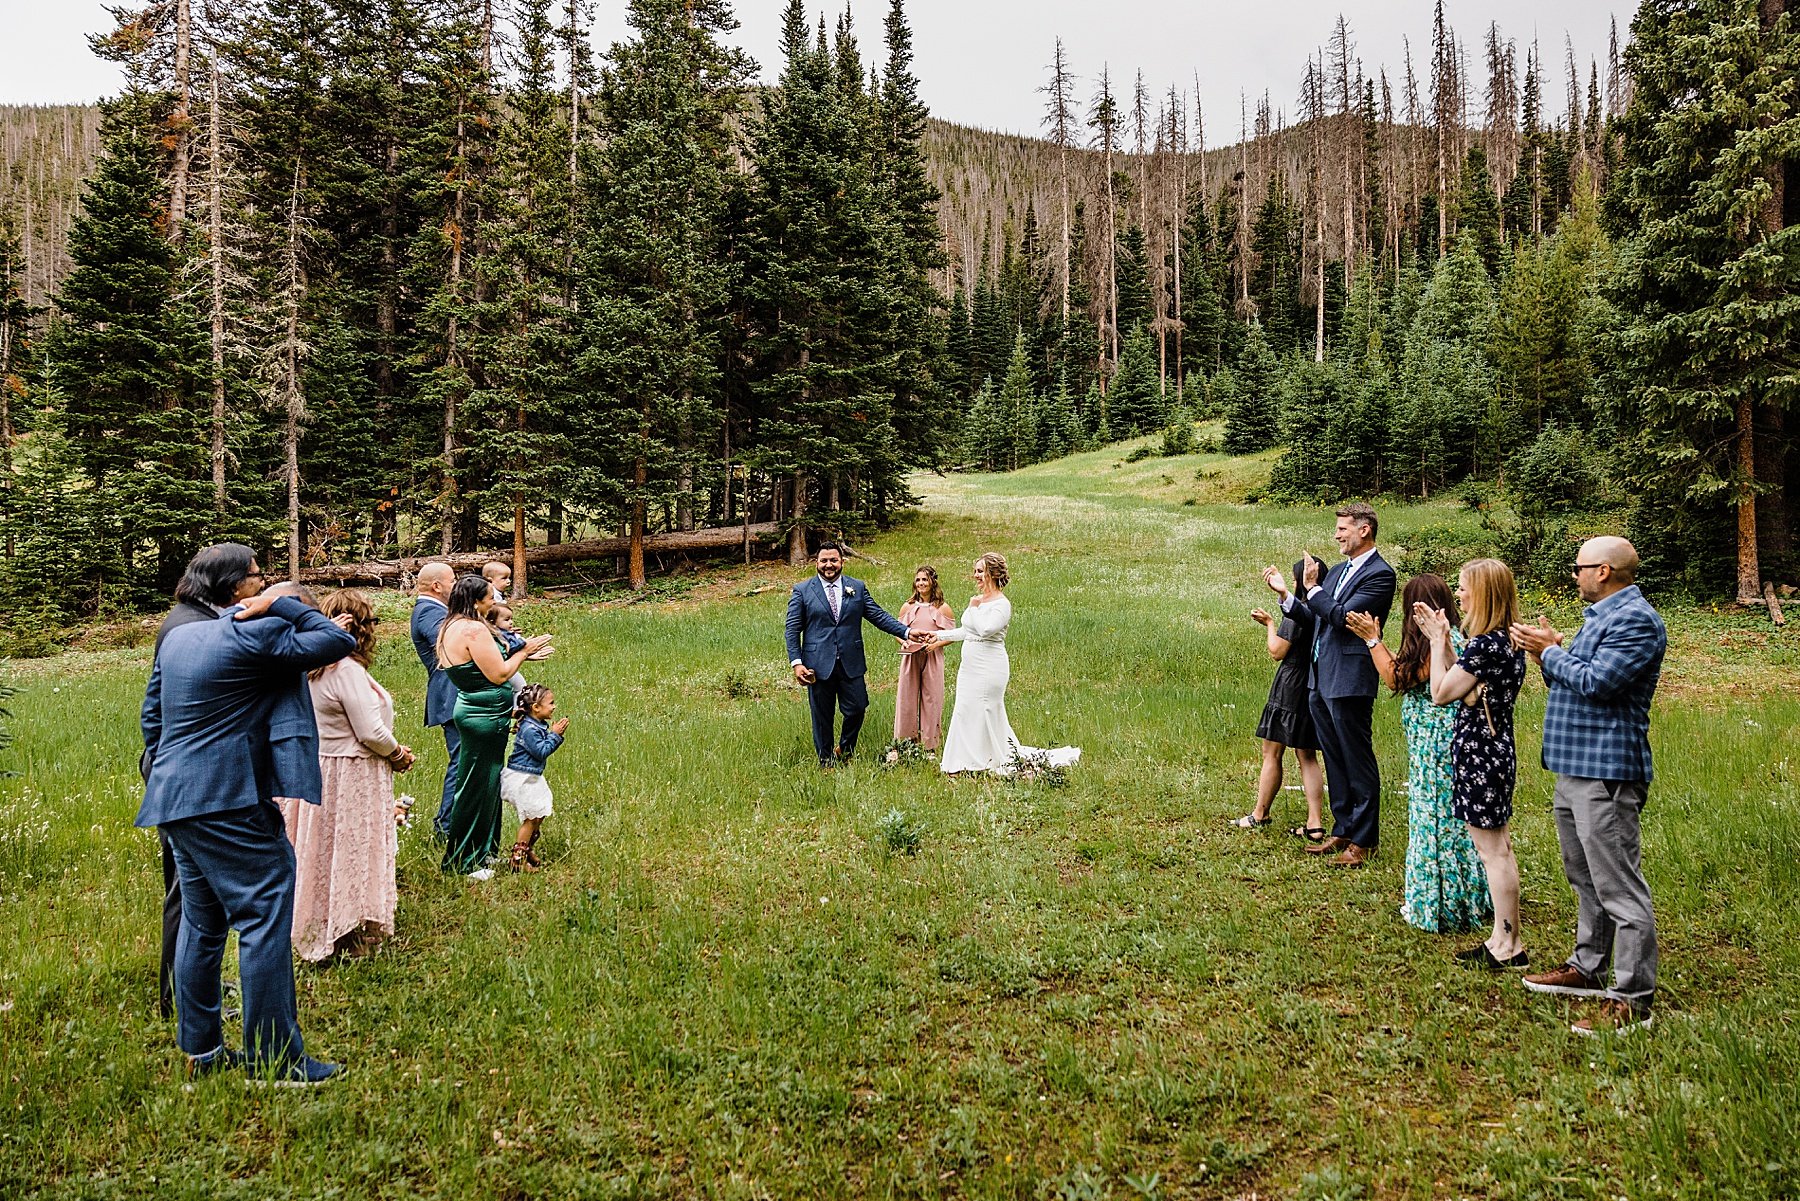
(1597, 741)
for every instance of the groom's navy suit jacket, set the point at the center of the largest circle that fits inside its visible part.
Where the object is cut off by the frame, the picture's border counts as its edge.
(826, 646)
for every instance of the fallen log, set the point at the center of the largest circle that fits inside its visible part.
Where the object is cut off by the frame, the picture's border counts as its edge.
(1774, 604)
(402, 571)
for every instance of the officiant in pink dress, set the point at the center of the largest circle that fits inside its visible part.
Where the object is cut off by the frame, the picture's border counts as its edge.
(919, 708)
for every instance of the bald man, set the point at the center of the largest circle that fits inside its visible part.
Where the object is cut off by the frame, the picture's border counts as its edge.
(429, 610)
(1597, 741)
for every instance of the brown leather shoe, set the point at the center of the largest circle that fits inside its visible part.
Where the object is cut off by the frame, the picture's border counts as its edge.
(1329, 846)
(1565, 981)
(1353, 856)
(1612, 1017)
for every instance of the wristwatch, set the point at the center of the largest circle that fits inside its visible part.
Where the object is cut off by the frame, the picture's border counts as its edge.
(1371, 643)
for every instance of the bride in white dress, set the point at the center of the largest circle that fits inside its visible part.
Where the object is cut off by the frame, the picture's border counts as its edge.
(980, 737)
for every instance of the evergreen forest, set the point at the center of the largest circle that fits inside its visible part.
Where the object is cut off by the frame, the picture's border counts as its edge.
(355, 281)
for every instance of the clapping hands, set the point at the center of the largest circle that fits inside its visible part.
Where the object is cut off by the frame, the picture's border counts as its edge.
(539, 648)
(1434, 622)
(1261, 617)
(560, 726)
(1534, 640)
(1363, 625)
(1276, 581)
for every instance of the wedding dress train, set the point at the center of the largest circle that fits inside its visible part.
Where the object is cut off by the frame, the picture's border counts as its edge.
(980, 737)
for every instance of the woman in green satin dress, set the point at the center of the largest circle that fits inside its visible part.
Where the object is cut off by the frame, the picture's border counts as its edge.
(480, 668)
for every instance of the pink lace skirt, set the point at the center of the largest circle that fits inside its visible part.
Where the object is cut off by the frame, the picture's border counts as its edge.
(344, 853)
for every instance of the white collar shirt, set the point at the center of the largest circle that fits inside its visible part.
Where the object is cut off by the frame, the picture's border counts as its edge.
(1354, 567)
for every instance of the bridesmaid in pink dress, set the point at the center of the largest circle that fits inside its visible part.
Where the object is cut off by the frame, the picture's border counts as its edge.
(919, 709)
(344, 848)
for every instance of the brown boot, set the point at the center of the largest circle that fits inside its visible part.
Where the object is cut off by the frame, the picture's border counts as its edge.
(1353, 856)
(1330, 846)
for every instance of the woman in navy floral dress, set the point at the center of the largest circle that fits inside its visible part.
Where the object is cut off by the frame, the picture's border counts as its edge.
(1486, 679)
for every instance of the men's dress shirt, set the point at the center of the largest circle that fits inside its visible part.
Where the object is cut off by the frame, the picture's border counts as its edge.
(1597, 717)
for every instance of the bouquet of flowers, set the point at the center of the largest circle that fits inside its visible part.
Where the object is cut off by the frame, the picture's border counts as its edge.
(1037, 768)
(902, 751)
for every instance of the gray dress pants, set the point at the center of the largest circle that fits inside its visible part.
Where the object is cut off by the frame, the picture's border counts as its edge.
(1597, 827)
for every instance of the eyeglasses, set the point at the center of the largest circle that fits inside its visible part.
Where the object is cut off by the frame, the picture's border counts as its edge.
(1581, 567)
(255, 575)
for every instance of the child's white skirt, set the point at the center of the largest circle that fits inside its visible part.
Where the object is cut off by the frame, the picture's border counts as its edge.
(527, 793)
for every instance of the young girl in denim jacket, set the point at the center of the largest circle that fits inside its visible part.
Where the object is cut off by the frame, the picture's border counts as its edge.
(538, 734)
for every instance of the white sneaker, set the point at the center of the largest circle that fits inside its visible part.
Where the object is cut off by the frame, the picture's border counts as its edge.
(485, 873)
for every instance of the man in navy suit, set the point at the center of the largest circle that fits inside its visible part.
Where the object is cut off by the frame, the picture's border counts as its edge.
(215, 579)
(1343, 679)
(224, 739)
(429, 611)
(825, 649)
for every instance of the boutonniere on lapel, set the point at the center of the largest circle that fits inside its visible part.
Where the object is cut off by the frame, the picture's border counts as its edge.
(849, 592)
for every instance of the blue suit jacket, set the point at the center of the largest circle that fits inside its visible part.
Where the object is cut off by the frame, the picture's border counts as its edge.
(440, 694)
(222, 696)
(1341, 665)
(827, 646)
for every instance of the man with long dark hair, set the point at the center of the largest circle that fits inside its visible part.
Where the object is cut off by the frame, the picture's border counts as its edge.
(214, 728)
(218, 577)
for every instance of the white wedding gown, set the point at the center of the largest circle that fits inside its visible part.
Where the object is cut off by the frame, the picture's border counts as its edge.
(980, 737)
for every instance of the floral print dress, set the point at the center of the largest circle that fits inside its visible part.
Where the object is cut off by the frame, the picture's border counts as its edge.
(1446, 887)
(1486, 761)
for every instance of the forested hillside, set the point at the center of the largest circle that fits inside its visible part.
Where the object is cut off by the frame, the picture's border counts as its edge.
(45, 153)
(354, 281)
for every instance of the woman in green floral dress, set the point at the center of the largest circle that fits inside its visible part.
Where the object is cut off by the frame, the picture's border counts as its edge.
(1446, 889)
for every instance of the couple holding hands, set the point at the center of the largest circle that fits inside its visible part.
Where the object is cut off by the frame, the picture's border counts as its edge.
(825, 650)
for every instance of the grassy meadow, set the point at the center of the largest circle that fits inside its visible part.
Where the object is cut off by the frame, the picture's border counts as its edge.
(729, 983)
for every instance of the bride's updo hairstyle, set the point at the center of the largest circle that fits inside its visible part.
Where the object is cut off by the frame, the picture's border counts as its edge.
(995, 566)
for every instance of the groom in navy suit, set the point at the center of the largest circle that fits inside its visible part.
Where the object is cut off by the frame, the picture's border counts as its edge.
(825, 649)
(1343, 679)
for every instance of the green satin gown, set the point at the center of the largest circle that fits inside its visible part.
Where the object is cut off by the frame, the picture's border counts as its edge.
(483, 717)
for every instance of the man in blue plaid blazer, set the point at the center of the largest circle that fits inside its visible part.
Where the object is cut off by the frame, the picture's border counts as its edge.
(1597, 741)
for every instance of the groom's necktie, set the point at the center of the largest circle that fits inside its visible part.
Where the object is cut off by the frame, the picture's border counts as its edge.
(831, 592)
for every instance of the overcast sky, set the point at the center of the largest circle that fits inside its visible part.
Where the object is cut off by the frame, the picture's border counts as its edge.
(981, 61)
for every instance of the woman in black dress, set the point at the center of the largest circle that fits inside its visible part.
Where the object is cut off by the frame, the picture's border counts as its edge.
(1484, 762)
(1287, 725)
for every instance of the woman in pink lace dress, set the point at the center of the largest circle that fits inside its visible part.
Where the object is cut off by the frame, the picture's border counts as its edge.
(344, 849)
(919, 707)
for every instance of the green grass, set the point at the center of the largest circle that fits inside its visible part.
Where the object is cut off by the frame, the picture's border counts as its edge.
(730, 984)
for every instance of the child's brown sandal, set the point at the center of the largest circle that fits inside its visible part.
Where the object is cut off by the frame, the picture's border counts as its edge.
(521, 858)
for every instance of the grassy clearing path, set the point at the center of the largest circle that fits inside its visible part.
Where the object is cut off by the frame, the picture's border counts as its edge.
(725, 986)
